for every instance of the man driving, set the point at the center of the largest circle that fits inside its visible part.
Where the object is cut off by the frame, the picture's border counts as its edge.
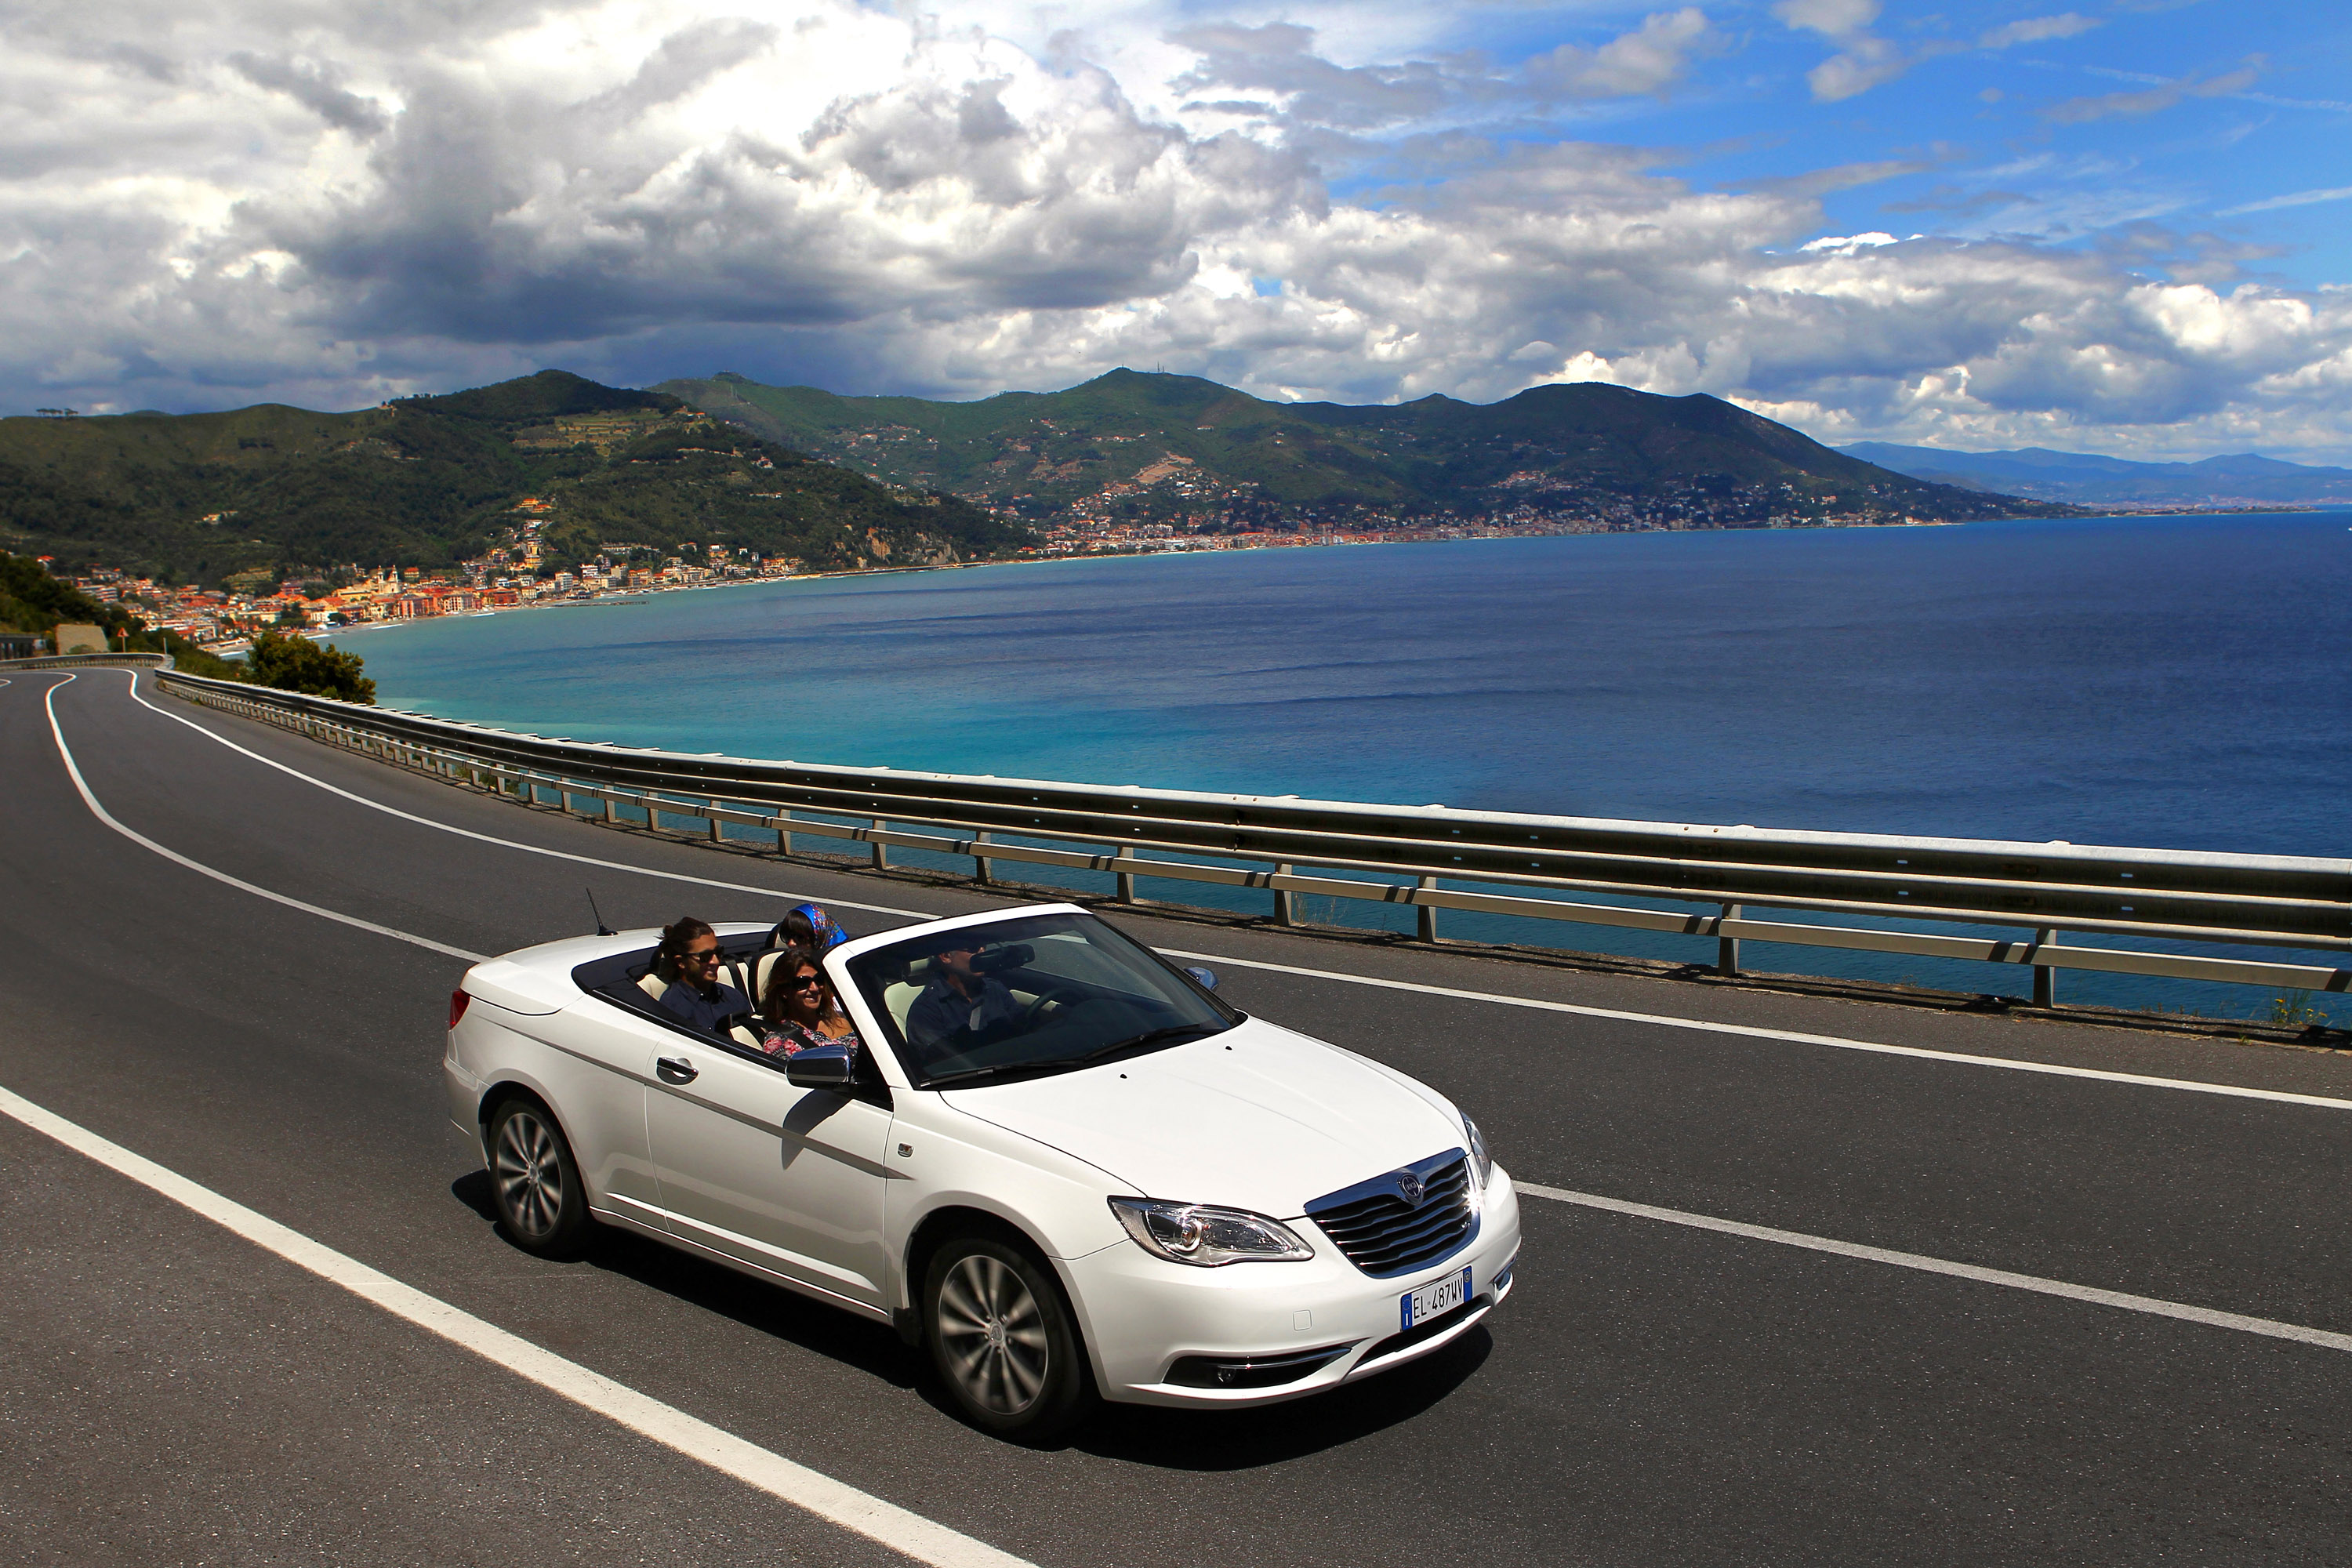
(960, 1002)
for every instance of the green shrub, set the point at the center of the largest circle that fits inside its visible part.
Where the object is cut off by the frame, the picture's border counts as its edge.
(298, 664)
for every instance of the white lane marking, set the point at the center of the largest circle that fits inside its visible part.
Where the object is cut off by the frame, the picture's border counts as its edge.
(1962, 1058)
(90, 800)
(1749, 1031)
(832, 1500)
(2269, 1328)
(509, 843)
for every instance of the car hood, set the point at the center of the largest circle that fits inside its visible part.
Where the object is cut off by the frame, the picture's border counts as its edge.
(1257, 1118)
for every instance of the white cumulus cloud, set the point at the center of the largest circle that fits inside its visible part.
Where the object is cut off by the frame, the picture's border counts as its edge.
(206, 206)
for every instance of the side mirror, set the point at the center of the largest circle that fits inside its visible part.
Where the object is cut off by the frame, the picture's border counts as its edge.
(821, 1067)
(1207, 978)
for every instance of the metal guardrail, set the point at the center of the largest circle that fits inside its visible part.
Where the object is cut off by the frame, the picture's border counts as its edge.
(86, 660)
(2270, 900)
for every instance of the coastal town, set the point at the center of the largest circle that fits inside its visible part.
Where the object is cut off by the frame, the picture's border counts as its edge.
(224, 619)
(516, 574)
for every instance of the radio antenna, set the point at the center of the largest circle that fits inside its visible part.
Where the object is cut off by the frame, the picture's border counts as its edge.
(602, 929)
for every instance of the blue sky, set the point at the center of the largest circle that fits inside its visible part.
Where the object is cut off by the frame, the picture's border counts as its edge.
(2116, 227)
(2185, 116)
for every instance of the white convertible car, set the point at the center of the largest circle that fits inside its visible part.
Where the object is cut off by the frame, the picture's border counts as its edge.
(1060, 1162)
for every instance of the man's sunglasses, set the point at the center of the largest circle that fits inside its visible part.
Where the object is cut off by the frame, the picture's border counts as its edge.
(710, 956)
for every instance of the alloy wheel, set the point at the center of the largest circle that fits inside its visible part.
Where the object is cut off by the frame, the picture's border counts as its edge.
(529, 1175)
(994, 1336)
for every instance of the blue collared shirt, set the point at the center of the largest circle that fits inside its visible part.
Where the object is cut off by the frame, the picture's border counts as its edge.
(706, 1013)
(942, 1014)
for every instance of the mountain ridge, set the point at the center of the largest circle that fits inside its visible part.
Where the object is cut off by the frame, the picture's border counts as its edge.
(2092, 479)
(428, 482)
(1149, 447)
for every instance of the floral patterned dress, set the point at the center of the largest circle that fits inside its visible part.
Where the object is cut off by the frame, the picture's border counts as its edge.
(788, 1039)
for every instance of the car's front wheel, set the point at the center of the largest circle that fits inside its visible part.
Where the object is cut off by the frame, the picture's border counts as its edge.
(1002, 1340)
(536, 1182)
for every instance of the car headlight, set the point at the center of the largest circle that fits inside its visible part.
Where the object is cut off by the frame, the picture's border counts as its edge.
(1479, 1155)
(1206, 1236)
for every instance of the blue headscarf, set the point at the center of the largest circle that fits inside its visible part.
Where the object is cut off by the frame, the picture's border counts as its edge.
(826, 933)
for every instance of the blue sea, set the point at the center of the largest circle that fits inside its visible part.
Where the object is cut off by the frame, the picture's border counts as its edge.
(2172, 682)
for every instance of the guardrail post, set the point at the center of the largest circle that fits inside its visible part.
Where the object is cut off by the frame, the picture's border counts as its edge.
(1427, 913)
(784, 834)
(1726, 948)
(881, 850)
(983, 869)
(1286, 906)
(717, 828)
(1125, 882)
(612, 809)
(2045, 975)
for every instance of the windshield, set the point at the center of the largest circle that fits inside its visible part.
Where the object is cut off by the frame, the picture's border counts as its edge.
(1037, 995)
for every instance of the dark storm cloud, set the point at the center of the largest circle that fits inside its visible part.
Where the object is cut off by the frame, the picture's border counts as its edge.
(314, 87)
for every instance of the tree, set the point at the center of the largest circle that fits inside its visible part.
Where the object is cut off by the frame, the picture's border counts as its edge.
(298, 664)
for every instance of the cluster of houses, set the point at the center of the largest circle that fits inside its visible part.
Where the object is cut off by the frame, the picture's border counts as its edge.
(224, 619)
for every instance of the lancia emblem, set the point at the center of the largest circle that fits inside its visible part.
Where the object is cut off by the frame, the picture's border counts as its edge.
(1410, 1185)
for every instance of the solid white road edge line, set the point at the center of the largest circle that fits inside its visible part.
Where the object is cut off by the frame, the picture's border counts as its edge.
(504, 843)
(49, 704)
(885, 1522)
(1753, 1031)
(2268, 1327)
(1661, 1020)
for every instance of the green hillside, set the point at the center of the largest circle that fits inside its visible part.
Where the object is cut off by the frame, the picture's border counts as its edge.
(428, 481)
(1179, 448)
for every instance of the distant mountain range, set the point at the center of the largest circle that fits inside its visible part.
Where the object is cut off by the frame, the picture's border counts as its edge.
(1146, 447)
(2088, 479)
(428, 481)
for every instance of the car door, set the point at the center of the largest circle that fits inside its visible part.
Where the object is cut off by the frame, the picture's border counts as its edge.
(592, 1065)
(788, 1180)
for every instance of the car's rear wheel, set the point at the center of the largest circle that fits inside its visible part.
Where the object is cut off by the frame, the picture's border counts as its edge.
(1003, 1340)
(535, 1180)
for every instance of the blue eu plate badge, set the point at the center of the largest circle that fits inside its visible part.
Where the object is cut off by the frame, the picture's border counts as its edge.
(1435, 1298)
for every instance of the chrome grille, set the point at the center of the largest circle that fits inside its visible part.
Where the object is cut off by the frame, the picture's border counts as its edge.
(1385, 1234)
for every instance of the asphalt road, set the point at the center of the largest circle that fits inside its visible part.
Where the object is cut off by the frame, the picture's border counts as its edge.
(1652, 1394)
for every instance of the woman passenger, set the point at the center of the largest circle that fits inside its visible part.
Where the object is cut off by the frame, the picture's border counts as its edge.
(808, 926)
(800, 1008)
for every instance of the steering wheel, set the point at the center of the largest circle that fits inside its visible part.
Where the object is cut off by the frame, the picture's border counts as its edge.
(1056, 998)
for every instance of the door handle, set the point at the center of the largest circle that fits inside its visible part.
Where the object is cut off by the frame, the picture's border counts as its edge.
(675, 1070)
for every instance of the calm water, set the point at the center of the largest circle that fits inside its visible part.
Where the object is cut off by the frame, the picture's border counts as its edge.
(2175, 683)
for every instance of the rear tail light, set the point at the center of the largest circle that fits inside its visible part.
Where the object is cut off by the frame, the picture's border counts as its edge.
(457, 1000)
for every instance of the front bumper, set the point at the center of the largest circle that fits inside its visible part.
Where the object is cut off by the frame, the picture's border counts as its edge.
(1143, 1316)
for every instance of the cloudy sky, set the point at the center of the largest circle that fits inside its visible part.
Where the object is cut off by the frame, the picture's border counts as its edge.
(2123, 227)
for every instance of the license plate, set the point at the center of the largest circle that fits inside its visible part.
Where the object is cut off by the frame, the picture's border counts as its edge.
(1438, 1297)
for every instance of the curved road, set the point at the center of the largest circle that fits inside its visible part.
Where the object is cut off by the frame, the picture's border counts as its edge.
(1706, 1384)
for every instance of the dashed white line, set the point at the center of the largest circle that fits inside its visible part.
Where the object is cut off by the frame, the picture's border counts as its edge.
(2269, 1328)
(896, 1527)
(48, 703)
(1750, 1031)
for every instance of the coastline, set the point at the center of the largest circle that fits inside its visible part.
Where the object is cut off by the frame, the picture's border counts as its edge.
(1272, 542)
